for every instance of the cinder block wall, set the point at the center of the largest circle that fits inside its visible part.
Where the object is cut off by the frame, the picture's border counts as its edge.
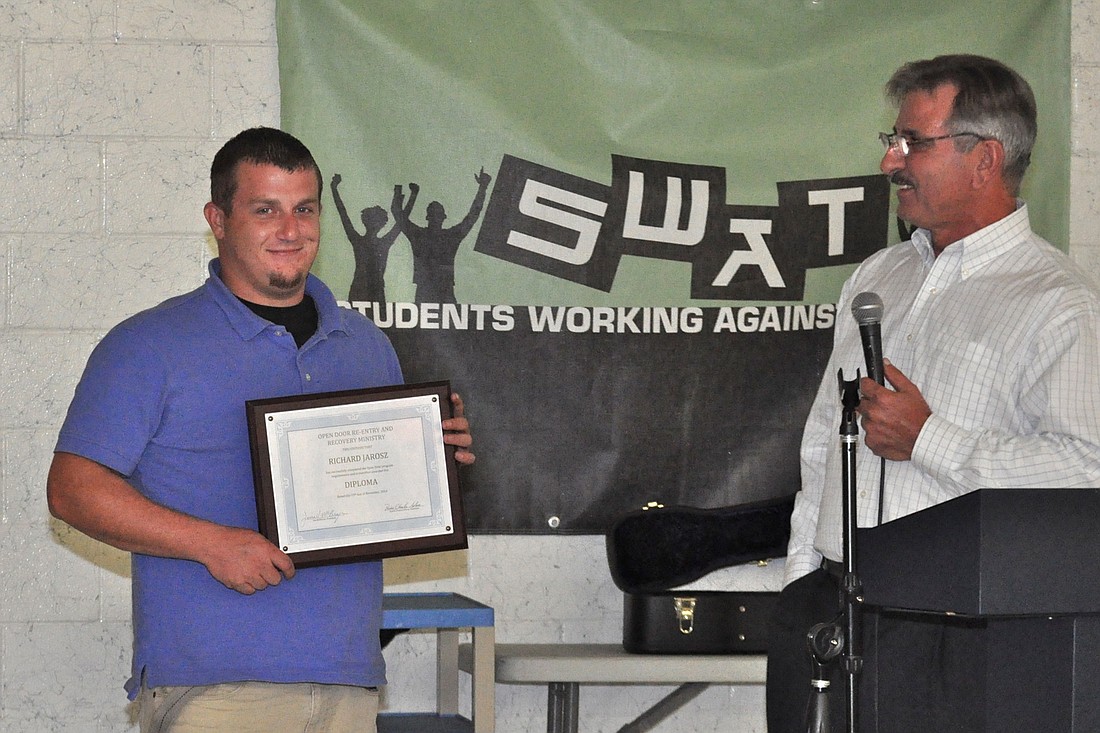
(110, 112)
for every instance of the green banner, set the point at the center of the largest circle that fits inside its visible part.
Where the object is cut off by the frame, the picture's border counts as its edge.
(618, 228)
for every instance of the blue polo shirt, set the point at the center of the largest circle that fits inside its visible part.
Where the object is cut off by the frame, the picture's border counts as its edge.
(162, 402)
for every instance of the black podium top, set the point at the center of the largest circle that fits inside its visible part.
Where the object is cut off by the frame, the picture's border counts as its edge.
(994, 552)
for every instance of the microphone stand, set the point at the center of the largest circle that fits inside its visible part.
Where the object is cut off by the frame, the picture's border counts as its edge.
(828, 641)
(851, 586)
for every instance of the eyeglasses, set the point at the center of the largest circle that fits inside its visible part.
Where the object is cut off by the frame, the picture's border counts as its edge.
(894, 141)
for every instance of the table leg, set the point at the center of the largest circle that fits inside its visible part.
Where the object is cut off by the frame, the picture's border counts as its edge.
(672, 702)
(562, 707)
(483, 679)
(446, 671)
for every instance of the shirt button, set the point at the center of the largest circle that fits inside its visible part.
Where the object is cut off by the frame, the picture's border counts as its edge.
(309, 378)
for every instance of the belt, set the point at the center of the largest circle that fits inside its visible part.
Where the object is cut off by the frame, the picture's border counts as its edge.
(833, 568)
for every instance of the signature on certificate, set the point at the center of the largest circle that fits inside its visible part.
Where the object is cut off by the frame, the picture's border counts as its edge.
(407, 506)
(328, 515)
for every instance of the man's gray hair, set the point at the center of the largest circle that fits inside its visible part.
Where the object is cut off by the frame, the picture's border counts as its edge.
(992, 101)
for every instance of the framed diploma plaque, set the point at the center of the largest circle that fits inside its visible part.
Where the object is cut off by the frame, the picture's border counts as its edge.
(356, 475)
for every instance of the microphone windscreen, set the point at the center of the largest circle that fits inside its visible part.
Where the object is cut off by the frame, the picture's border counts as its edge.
(867, 308)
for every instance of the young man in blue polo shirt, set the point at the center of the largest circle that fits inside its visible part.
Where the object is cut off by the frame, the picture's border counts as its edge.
(154, 458)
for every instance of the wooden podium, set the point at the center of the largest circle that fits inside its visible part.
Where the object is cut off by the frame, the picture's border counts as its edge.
(1025, 563)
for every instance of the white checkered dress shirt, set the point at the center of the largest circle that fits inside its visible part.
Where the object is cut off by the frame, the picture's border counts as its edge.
(1001, 334)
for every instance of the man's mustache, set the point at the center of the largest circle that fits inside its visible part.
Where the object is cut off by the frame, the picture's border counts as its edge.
(899, 180)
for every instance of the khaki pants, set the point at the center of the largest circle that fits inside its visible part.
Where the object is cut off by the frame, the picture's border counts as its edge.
(259, 707)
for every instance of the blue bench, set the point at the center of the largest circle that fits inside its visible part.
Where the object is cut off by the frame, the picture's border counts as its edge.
(448, 614)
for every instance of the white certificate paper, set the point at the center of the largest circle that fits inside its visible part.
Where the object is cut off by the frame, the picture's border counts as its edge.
(364, 474)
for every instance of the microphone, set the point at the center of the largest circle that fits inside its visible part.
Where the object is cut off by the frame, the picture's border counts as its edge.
(867, 310)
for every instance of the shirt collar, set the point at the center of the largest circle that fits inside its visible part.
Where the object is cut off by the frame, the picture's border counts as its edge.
(983, 246)
(248, 325)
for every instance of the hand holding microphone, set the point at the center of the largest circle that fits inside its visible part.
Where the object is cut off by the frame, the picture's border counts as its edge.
(892, 418)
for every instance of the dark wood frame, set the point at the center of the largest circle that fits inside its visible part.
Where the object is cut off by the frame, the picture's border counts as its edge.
(258, 412)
